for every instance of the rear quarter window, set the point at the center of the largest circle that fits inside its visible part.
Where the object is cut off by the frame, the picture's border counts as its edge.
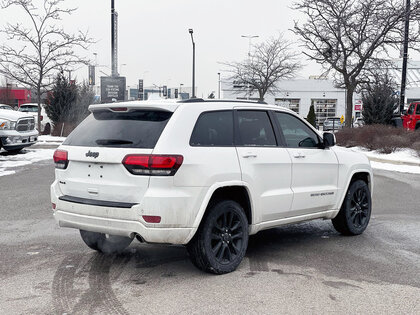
(133, 129)
(213, 129)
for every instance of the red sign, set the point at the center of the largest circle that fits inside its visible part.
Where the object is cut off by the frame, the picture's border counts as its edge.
(357, 107)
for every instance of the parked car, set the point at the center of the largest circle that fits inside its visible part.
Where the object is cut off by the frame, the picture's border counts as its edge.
(17, 130)
(359, 122)
(4, 106)
(411, 118)
(205, 174)
(332, 124)
(32, 109)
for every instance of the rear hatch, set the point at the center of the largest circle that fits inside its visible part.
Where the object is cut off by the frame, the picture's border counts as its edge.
(96, 150)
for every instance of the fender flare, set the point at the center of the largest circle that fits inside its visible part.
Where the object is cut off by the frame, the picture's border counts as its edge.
(349, 178)
(207, 198)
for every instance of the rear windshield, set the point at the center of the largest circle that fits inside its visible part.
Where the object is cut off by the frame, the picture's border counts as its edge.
(28, 109)
(135, 129)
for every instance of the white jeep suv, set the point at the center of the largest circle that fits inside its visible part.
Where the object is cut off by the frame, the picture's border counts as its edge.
(206, 174)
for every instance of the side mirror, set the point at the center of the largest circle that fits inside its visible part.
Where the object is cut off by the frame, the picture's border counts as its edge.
(404, 112)
(328, 139)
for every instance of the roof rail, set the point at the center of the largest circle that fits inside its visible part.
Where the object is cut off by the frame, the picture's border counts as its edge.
(200, 100)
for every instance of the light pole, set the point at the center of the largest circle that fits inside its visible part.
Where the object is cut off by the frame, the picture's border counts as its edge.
(250, 37)
(121, 66)
(193, 69)
(405, 56)
(218, 73)
(159, 87)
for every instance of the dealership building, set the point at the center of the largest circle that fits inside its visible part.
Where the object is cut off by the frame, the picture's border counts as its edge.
(328, 100)
(15, 96)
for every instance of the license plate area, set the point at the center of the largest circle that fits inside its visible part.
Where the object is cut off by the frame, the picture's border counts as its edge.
(96, 170)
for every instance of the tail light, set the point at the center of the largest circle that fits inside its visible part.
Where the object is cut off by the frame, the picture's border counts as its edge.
(153, 165)
(41, 117)
(151, 218)
(61, 159)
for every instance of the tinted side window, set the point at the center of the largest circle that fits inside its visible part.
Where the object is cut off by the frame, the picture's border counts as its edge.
(255, 128)
(296, 133)
(418, 109)
(134, 129)
(213, 129)
(410, 110)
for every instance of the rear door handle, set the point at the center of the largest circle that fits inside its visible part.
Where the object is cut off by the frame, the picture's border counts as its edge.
(249, 155)
(299, 156)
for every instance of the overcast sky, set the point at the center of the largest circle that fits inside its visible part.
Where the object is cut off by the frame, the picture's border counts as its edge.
(154, 42)
(153, 35)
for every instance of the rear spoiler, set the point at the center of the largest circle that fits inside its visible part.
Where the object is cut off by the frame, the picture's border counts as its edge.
(164, 106)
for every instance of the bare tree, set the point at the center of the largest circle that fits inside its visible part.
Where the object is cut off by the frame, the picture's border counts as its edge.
(34, 53)
(269, 62)
(350, 37)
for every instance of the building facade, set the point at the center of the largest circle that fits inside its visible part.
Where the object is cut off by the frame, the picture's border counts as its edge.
(15, 96)
(328, 100)
(298, 95)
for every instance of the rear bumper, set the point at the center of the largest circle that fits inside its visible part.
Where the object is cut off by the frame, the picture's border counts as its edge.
(176, 207)
(122, 227)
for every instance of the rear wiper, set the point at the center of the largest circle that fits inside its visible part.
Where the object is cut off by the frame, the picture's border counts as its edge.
(112, 142)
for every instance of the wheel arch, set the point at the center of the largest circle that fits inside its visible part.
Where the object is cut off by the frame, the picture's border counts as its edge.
(240, 194)
(237, 191)
(361, 174)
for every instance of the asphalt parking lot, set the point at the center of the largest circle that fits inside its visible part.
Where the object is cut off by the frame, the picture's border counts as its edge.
(293, 269)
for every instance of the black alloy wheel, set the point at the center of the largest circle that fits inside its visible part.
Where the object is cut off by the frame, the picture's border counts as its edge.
(221, 241)
(359, 209)
(355, 212)
(227, 237)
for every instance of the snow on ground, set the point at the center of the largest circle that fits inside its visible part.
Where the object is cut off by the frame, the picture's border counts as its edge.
(27, 157)
(396, 168)
(402, 155)
(393, 161)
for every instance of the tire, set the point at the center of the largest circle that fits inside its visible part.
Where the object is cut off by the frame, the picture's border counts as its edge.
(107, 244)
(355, 211)
(222, 239)
(14, 151)
(47, 129)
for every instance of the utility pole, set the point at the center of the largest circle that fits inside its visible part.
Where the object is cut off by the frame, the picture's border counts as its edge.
(193, 70)
(114, 40)
(250, 37)
(219, 85)
(405, 56)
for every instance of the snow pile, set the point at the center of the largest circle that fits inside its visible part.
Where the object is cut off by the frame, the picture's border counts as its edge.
(50, 140)
(26, 157)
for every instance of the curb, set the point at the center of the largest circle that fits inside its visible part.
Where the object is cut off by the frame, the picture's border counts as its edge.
(393, 162)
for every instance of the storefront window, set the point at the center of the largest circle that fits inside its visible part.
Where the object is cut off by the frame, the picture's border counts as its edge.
(324, 108)
(289, 103)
